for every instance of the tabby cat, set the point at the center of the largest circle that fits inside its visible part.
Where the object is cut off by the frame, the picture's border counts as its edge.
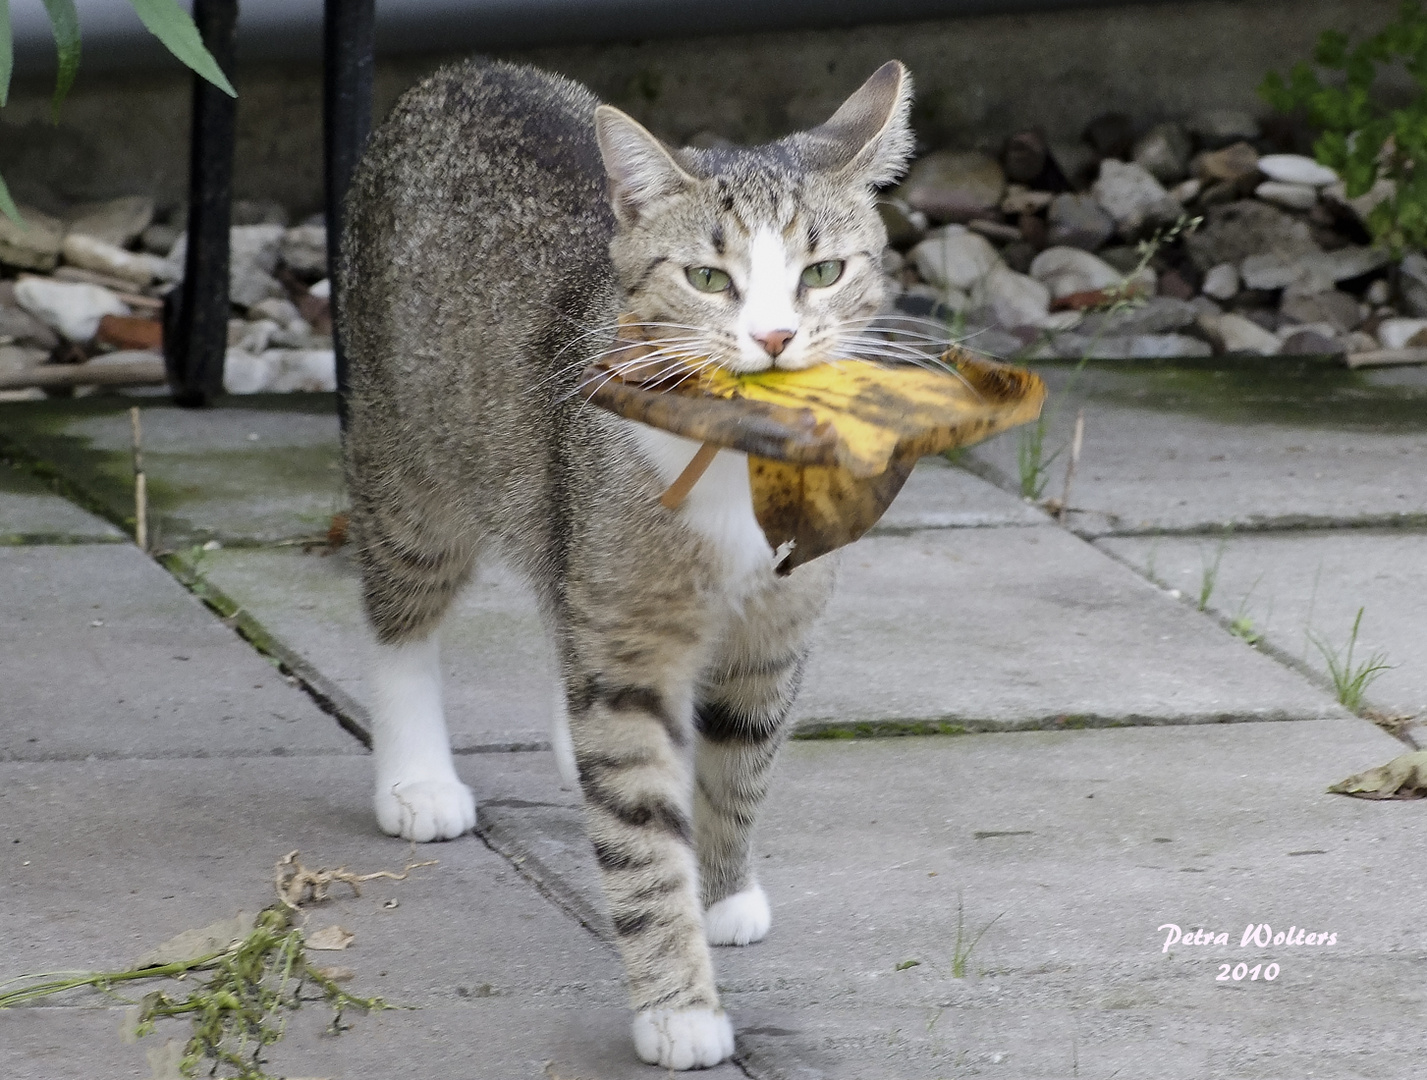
(500, 222)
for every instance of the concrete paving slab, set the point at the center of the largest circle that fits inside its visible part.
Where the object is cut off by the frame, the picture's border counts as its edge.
(964, 629)
(1289, 587)
(940, 496)
(106, 655)
(982, 629)
(101, 860)
(30, 513)
(1080, 846)
(1265, 443)
(266, 470)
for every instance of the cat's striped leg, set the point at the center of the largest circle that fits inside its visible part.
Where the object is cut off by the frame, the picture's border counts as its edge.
(631, 746)
(742, 726)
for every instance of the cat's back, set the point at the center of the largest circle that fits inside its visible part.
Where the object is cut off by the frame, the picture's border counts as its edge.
(480, 202)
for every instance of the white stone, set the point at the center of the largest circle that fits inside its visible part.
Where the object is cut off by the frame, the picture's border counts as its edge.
(1013, 299)
(1240, 335)
(1067, 270)
(1134, 198)
(1289, 196)
(244, 373)
(1186, 190)
(1270, 270)
(71, 309)
(1296, 169)
(322, 289)
(92, 253)
(304, 250)
(257, 336)
(252, 258)
(118, 221)
(954, 257)
(1379, 292)
(303, 369)
(1398, 333)
(1058, 321)
(1221, 282)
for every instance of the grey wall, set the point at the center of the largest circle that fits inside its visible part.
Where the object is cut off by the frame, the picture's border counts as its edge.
(979, 78)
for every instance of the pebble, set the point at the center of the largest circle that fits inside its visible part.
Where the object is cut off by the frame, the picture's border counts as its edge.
(1158, 315)
(246, 373)
(1331, 307)
(1022, 200)
(118, 222)
(304, 251)
(159, 239)
(1412, 283)
(1013, 299)
(313, 370)
(995, 231)
(952, 257)
(1163, 151)
(1231, 163)
(1237, 334)
(1312, 342)
(1234, 231)
(19, 327)
(954, 185)
(904, 225)
(1025, 156)
(1379, 293)
(1187, 191)
(34, 245)
(1288, 196)
(1400, 333)
(71, 309)
(1296, 169)
(1221, 282)
(1364, 204)
(1078, 221)
(1134, 198)
(92, 253)
(18, 359)
(1066, 270)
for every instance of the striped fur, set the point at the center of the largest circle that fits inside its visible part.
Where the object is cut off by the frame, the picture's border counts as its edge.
(494, 237)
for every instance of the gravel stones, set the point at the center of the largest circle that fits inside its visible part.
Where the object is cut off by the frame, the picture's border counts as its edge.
(1220, 127)
(1333, 307)
(34, 245)
(303, 250)
(1237, 334)
(1235, 162)
(954, 257)
(1296, 169)
(1158, 315)
(1069, 270)
(1078, 221)
(1163, 152)
(1402, 333)
(71, 309)
(19, 327)
(954, 185)
(1221, 282)
(118, 222)
(1012, 299)
(1234, 231)
(1288, 196)
(92, 253)
(1134, 198)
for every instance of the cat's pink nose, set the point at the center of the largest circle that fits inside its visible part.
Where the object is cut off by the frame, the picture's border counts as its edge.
(775, 341)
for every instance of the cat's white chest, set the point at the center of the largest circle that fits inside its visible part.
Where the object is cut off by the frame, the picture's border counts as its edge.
(719, 507)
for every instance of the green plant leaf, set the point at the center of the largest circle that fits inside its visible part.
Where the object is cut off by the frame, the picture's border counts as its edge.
(7, 52)
(65, 24)
(7, 205)
(172, 25)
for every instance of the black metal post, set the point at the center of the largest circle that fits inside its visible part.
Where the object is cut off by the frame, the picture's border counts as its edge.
(196, 313)
(347, 55)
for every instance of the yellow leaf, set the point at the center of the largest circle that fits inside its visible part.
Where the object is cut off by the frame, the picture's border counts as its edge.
(830, 445)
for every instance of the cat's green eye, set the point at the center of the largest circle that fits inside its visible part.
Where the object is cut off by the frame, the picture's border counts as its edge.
(820, 275)
(708, 279)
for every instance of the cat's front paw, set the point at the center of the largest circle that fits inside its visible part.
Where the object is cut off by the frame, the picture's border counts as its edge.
(739, 919)
(683, 1038)
(424, 810)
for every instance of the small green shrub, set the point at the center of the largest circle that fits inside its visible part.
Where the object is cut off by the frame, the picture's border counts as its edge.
(1360, 136)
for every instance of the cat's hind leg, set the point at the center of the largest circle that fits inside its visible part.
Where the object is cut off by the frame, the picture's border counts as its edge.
(408, 587)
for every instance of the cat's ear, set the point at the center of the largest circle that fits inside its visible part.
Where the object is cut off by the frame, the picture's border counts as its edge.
(870, 135)
(640, 169)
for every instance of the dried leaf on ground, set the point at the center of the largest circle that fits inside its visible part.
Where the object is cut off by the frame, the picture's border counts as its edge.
(297, 885)
(330, 938)
(1403, 777)
(204, 941)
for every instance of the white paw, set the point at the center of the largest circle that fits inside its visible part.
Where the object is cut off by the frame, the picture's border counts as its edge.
(424, 810)
(739, 919)
(683, 1039)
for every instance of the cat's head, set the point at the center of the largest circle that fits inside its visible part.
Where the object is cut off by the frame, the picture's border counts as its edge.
(765, 256)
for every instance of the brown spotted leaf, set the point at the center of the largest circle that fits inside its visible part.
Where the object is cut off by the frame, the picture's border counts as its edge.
(1403, 777)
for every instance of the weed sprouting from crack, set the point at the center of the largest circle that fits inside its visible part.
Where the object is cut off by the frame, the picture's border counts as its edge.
(1350, 681)
(241, 993)
(1209, 576)
(961, 950)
